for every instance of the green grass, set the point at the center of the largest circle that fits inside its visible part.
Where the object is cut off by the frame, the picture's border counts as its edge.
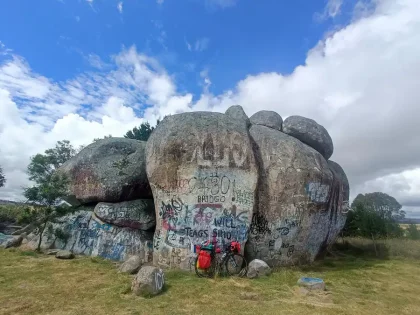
(356, 282)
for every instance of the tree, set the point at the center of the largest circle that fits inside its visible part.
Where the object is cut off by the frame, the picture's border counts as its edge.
(385, 205)
(142, 133)
(412, 232)
(49, 186)
(374, 216)
(2, 178)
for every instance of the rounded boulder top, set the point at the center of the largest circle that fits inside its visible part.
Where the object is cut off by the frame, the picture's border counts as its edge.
(267, 118)
(108, 170)
(309, 132)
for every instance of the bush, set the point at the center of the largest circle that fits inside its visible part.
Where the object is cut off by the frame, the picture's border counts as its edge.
(412, 232)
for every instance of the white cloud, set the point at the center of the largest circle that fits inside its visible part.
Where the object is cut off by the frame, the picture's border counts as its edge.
(160, 1)
(120, 7)
(332, 9)
(77, 18)
(201, 44)
(95, 61)
(361, 83)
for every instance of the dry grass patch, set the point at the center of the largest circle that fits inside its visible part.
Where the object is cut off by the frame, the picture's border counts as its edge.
(38, 284)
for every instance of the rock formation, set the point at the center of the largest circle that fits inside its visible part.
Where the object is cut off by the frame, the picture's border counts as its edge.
(220, 177)
(203, 175)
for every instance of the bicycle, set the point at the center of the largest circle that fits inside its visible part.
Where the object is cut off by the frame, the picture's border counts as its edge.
(233, 262)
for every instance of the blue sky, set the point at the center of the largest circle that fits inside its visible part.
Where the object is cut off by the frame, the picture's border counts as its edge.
(230, 39)
(83, 69)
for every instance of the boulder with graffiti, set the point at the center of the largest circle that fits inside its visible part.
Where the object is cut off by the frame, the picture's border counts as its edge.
(84, 233)
(223, 177)
(203, 174)
(265, 183)
(301, 200)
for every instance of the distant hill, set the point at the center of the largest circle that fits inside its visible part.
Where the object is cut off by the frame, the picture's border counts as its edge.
(9, 202)
(409, 221)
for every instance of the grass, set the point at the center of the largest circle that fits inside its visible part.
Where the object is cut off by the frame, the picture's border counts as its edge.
(356, 282)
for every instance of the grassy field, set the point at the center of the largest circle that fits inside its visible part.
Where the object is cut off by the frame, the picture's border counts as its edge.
(356, 282)
(405, 226)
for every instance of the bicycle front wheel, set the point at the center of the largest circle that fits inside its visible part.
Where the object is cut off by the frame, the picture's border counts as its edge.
(236, 265)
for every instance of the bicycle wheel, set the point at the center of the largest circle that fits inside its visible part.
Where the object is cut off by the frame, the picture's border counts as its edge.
(205, 273)
(236, 265)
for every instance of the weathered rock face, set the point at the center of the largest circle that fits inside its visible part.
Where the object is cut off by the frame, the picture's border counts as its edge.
(310, 133)
(108, 170)
(203, 176)
(298, 200)
(7, 241)
(88, 235)
(267, 118)
(136, 214)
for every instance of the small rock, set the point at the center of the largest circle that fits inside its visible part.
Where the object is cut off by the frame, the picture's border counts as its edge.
(64, 254)
(312, 283)
(267, 118)
(51, 251)
(149, 281)
(258, 268)
(131, 265)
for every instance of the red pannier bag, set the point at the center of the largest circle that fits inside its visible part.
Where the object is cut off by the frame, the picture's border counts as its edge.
(235, 247)
(204, 259)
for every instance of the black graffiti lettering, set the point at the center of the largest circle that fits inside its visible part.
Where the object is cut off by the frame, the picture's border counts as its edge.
(224, 222)
(259, 225)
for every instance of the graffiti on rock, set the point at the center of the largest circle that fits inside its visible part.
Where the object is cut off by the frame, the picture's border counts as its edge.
(92, 237)
(318, 192)
(159, 280)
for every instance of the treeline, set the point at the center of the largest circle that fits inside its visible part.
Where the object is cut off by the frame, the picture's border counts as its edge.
(376, 216)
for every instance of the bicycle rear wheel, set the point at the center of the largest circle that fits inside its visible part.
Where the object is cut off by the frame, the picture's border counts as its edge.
(205, 273)
(236, 265)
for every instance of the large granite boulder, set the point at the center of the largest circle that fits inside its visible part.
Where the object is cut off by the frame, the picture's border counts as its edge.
(267, 118)
(311, 133)
(108, 170)
(297, 200)
(136, 214)
(88, 235)
(203, 175)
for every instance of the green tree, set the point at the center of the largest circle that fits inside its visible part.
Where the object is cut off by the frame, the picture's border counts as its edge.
(142, 133)
(374, 215)
(2, 178)
(49, 186)
(412, 232)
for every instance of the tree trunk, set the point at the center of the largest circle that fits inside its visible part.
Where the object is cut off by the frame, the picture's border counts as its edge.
(374, 245)
(41, 231)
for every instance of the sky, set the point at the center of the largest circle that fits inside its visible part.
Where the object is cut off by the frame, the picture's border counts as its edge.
(83, 69)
